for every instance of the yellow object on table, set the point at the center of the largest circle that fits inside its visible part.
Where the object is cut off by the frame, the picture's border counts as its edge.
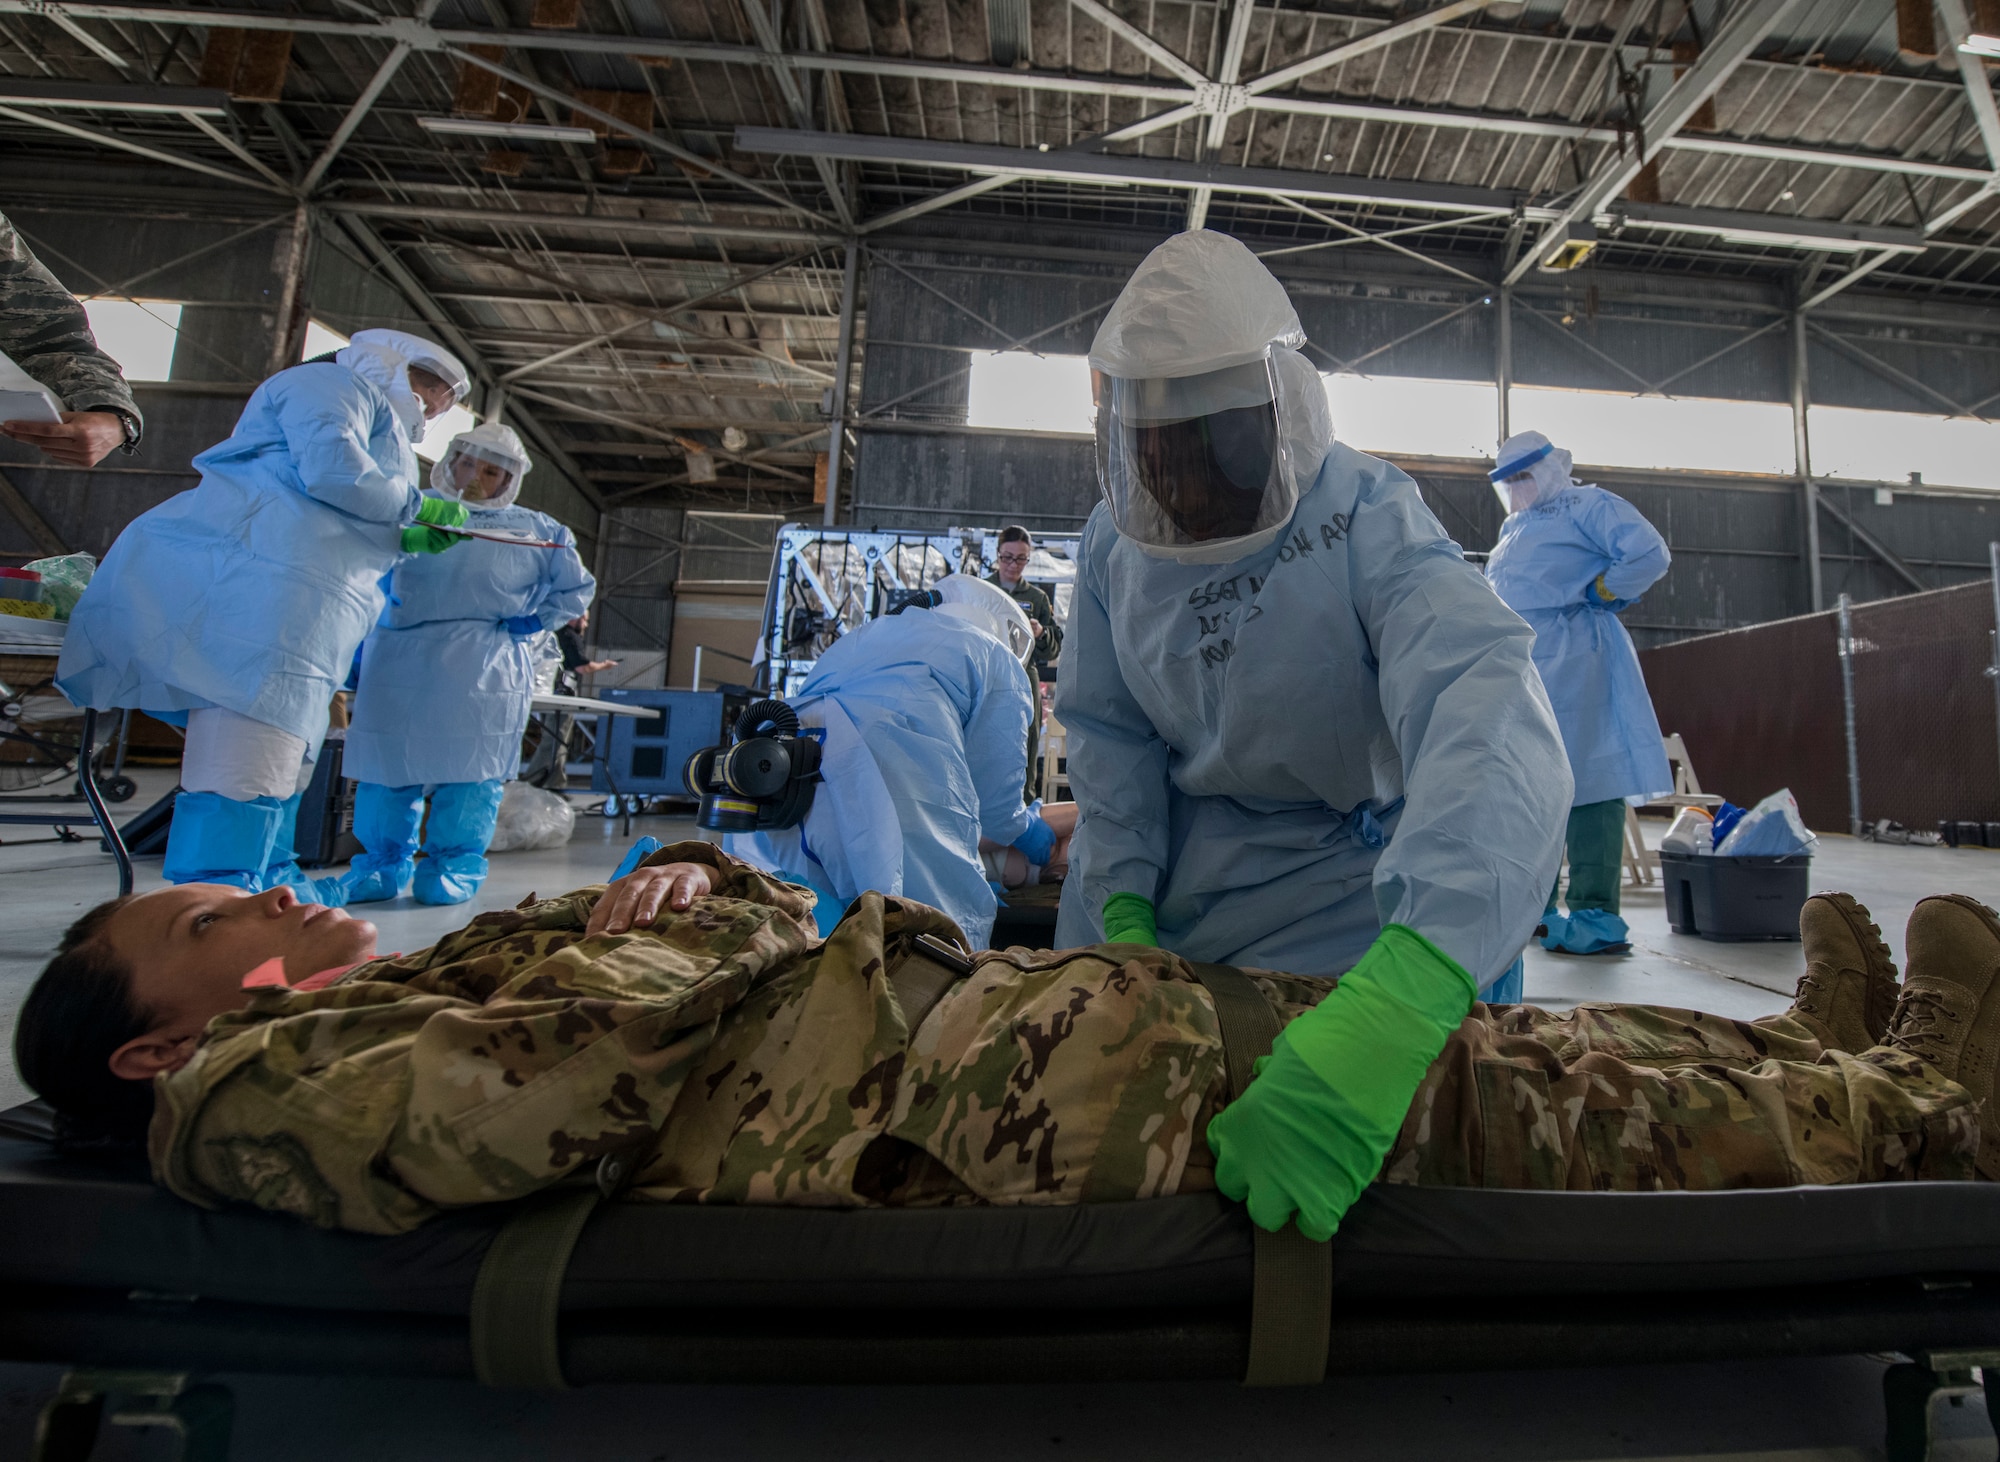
(27, 608)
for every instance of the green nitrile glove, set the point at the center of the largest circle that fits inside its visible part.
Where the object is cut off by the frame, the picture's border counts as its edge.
(1314, 1126)
(423, 537)
(1128, 919)
(1604, 595)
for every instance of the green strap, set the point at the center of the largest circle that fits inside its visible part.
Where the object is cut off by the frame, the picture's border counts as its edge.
(1291, 1292)
(517, 1296)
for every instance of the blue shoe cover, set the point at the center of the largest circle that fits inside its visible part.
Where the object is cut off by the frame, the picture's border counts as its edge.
(1509, 988)
(641, 851)
(369, 881)
(217, 839)
(449, 879)
(1586, 931)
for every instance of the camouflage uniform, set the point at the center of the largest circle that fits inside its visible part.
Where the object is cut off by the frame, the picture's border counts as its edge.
(516, 1052)
(44, 331)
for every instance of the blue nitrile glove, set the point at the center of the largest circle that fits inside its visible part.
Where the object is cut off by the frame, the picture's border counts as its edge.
(432, 513)
(522, 626)
(1128, 919)
(1038, 843)
(641, 851)
(1314, 1126)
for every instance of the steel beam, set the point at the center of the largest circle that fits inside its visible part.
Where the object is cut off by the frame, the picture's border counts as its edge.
(634, 228)
(1746, 28)
(1388, 35)
(138, 149)
(1972, 75)
(1177, 96)
(1802, 461)
(1119, 26)
(642, 135)
(836, 432)
(363, 104)
(795, 100)
(1888, 557)
(1153, 171)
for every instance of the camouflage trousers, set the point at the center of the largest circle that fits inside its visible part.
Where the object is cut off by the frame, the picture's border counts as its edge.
(1640, 1098)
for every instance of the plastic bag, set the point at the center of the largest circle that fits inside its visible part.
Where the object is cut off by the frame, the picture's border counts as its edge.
(547, 657)
(531, 818)
(64, 579)
(1692, 835)
(1771, 829)
(1725, 820)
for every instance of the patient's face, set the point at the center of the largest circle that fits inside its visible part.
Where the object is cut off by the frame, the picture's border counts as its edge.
(190, 946)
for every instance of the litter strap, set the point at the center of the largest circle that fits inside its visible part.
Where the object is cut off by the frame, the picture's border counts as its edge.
(516, 1298)
(1291, 1294)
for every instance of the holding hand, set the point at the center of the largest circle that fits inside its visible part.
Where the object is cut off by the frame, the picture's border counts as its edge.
(633, 901)
(434, 513)
(80, 439)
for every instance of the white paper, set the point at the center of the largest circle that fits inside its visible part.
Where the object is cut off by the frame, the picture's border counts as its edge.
(22, 397)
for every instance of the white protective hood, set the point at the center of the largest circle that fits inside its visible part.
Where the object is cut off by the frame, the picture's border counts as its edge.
(491, 442)
(384, 357)
(1202, 305)
(1531, 469)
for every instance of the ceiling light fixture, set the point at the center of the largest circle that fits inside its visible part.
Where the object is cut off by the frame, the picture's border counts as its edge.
(515, 131)
(1578, 243)
(90, 96)
(1978, 45)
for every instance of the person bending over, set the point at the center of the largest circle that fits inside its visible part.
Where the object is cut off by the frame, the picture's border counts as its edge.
(280, 1063)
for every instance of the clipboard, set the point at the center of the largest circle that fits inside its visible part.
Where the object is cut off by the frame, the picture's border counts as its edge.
(23, 398)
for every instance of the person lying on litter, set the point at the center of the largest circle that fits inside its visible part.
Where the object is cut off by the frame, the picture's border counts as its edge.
(687, 1014)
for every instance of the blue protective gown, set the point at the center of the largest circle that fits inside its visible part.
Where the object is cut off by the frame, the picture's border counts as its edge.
(1284, 753)
(251, 590)
(926, 750)
(445, 686)
(1545, 567)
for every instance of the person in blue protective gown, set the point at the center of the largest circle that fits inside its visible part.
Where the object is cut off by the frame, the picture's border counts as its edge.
(925, 719)
(235, 608)
(1570, 556)
(447, 678)
(1303, 733)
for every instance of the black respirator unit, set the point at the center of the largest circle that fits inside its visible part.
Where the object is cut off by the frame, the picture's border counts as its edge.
(762, 779)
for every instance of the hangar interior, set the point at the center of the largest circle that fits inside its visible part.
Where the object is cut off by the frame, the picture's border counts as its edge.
(726, 265)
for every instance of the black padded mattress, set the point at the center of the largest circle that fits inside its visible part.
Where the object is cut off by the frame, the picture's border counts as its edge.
(86, 1221)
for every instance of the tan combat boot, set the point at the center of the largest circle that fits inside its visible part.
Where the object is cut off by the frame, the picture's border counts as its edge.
(1848, 992)
(1949, 1015)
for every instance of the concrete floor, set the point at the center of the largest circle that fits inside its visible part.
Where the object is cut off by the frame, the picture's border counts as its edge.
(1787, 1411)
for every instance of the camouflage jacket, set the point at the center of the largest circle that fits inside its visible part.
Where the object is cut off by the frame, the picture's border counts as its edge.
(45, 332)
(753, 1063)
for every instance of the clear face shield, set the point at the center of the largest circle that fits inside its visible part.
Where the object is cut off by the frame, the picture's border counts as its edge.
(1196, 468)
(1519, 482)
(477, 475)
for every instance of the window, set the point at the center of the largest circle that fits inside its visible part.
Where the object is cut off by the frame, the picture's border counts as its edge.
(1403, 415)
(1686, 433)
(138, 334)
(441, 430)
(1887, 446)
(321, 340)
(1022, 392)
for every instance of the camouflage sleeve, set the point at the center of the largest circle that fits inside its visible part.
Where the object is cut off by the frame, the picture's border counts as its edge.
(44, 331)
(370, 1105)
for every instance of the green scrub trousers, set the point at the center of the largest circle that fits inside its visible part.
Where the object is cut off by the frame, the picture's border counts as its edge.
(1596, 856)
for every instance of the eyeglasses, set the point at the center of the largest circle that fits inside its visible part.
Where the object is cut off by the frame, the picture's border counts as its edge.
(1012, 557)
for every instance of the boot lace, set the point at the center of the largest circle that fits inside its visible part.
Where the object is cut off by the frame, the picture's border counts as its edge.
(1922, 1025)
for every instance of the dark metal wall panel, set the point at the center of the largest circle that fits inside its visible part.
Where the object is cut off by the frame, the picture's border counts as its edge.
(89, 507)
(935, 479)
(1761, 708)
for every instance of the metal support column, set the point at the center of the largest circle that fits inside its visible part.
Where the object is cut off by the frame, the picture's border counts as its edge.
(1993, 670)
(1847, 716)
(1503, 355)
(836, 431)
(285, 333)
(1802, 457)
